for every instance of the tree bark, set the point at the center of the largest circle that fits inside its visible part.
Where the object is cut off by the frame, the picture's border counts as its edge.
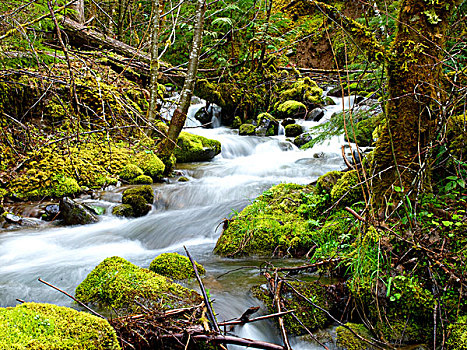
(167, 146)
(415, 99)
(154, 65)
(78, 6)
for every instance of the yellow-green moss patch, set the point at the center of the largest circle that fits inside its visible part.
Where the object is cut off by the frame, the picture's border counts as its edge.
(195, 148)
(175, 266)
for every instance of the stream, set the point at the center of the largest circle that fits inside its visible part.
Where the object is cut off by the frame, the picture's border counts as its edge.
(184, 214)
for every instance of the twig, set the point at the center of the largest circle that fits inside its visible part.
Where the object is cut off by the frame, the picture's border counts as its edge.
(203, 291)
(354, 213)
(310, 266)
(72, 297)
(259, 318)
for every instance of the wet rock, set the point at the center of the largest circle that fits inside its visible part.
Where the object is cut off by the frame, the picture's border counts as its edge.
(51, 212)
(315, 115)
(204, 116)
(328, 101)
(287, 121)
(291, 109)
(124, 210)
(267, 125)
(47, 326)
(293, 130)
(136, 202)
(302, 139)
(13, 219)
(75, 214)
(195, 148)
(247, 130)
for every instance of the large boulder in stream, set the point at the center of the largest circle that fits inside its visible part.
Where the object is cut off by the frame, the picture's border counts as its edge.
(291, 109)
(74, 213)
(136, 202)
(119, 285)
(195, 148)
(49, 327)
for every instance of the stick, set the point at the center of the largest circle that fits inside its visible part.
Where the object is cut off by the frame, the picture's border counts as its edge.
(72, 297)
(277, 301)
(226, 339)
(259, 318)
(205, 296)
(310, 266)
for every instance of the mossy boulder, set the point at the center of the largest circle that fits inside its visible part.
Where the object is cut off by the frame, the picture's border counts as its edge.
(139, 199)
(310, 316)
(119, 285)
(270, 225)
(348, 189)
(364, 132)
(51, 327)
(303, 139)
(74, 213)
(195, 148)
(247, 129)
(142, 180)
(291, 109)
(125, 210)
(293, 130)
(267, 125)
(175, 266)
(237, 121)
(150, 164)
(326, 182)
(303, 90)
(349, 341)
(130, 171)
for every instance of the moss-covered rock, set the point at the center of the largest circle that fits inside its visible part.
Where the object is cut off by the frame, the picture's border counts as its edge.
(51, 327)
(142, 180)
(138, 204)
(175, 266)
(270, 225)
(145, 191)
(125, 210)
(303, 139)
(326, 182)
(237, 121)
(118, 284)
(311, 317)
(150, 164)
(293, 130)
(457, 339)
(347, 340)
(74, 213)
(291, 109)
(130, 171)
(347, 189)
(247, 129)
(195, 148)
(364, 132)
(303, 90)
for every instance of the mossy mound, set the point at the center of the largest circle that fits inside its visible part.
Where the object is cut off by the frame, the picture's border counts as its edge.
(142, 180)
(194, 148)
(311, 317)
(117, 284)
(364, 132)
(270, 225)
(291, 109)
(150, 164)
(125, 210)
(326, 182)
(175, 266)
(130, 171)
(348, 189)
(56, 172)
(138, 198)
(293, 130)
(144, 191)
(303, 90)
(247, 129)
(347, 340)
(457, 339)
(51, 327)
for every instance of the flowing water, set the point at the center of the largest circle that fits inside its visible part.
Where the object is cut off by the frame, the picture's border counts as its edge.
(185, 214)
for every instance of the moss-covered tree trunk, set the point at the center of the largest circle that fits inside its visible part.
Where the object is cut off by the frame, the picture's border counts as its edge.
(415, 95)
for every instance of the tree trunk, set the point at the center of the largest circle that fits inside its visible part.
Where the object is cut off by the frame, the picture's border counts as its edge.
(167, 146)
(154, 69)
(401, 157)
(78, 6)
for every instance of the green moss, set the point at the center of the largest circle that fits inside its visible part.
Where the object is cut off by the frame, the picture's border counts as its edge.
(195, 148)
(247, 129)
(116, 284)
(311, 317)
(328, 101)
(270, 225)
(291, 109)
(144, 191)
(326, 182)
(457, 339)
(175, 266)
(347, 340)
(51, 327)
(142, 180)
(293, 130)
(236, 122)
(150, 164)
(364, 132)
(183, 179)
(138, 203)
(347, 188)
(130, 171)
(303, 90)
(125, 210)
